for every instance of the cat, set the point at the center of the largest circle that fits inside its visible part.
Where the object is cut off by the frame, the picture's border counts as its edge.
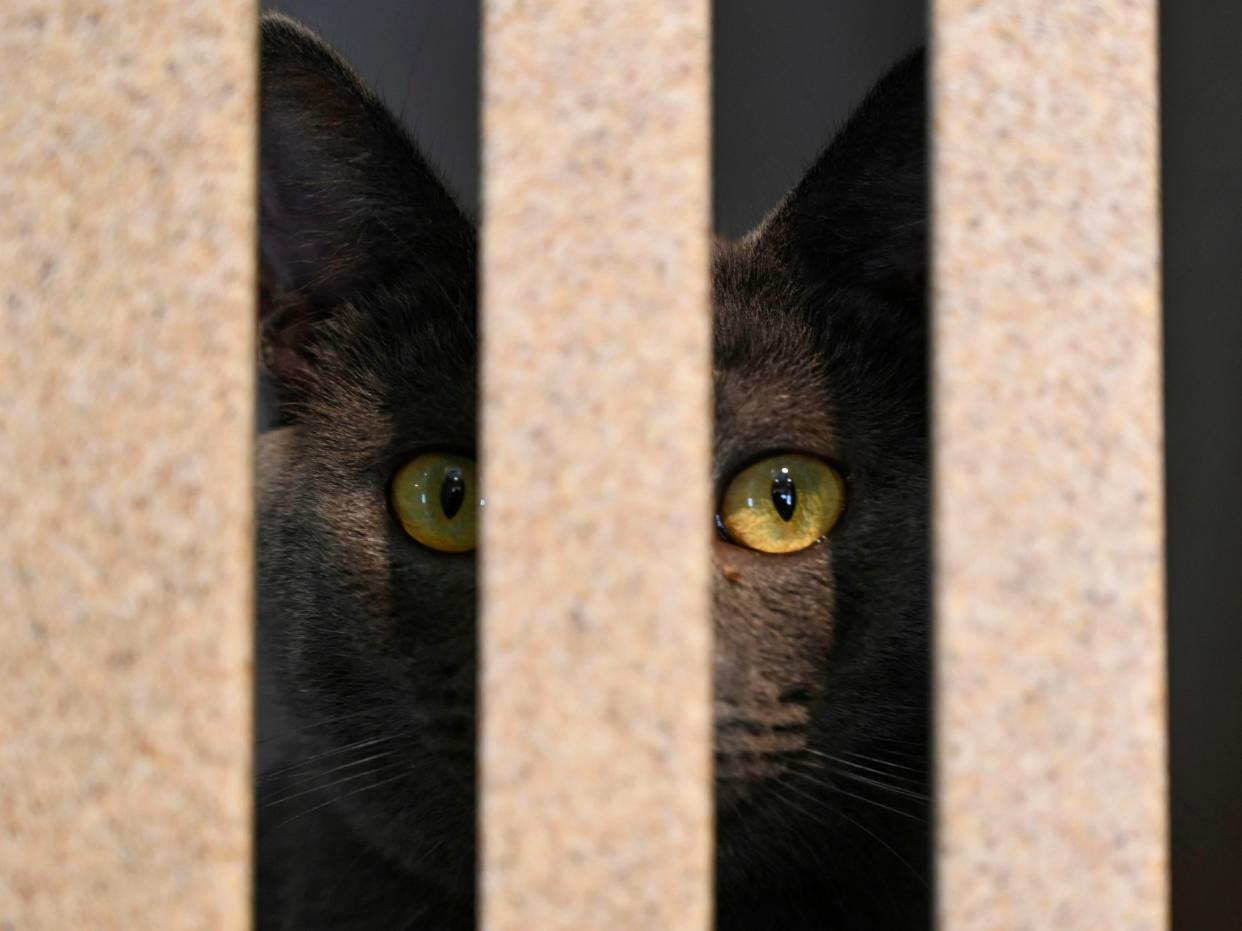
(368, 331)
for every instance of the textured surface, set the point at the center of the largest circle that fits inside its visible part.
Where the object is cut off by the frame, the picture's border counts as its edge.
(595, 735)
(1048, 472)
(126, 254)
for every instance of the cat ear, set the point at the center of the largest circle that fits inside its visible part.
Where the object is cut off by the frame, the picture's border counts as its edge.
(860, 213)
(347, 204)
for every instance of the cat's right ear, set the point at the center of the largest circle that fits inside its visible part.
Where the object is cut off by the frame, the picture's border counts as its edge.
(347, 204)
(860, 214)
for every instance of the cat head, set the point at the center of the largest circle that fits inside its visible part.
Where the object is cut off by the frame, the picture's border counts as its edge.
(822, 655)
(368, 330)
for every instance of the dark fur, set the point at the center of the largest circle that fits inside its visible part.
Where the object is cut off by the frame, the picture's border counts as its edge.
(822, 656)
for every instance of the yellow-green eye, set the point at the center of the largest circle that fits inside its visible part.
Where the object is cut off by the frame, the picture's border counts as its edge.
(436, 497)
(782, 504)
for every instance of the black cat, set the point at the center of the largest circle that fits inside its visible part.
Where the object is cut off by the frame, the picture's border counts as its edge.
(367, 587)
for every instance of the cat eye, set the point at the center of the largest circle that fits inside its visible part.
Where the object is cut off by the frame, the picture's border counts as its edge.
(782, 504)
(435, 496)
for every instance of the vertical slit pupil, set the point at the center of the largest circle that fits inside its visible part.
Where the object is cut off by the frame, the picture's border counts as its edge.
(784, 495)
(452, 492)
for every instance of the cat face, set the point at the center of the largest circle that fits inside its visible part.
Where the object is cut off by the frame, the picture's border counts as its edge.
(369, 332)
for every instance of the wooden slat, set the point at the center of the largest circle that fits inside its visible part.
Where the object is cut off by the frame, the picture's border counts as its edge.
(1049, 535)
(595, 766)
(127, 140)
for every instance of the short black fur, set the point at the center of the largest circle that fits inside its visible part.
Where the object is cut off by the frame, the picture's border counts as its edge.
(369, 332)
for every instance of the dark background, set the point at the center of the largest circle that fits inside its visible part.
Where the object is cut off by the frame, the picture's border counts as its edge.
(786, 74)
(1202, 121)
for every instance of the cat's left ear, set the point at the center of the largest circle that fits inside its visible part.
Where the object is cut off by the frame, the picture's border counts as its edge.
(860, 214)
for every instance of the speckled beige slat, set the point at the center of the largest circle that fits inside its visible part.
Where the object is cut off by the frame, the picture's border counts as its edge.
(596, 760)
(127, 140)
(1049, 496)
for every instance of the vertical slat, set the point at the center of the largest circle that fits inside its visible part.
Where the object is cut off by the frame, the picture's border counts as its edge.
(127, 140)
(595, 767)
(1049, 535)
